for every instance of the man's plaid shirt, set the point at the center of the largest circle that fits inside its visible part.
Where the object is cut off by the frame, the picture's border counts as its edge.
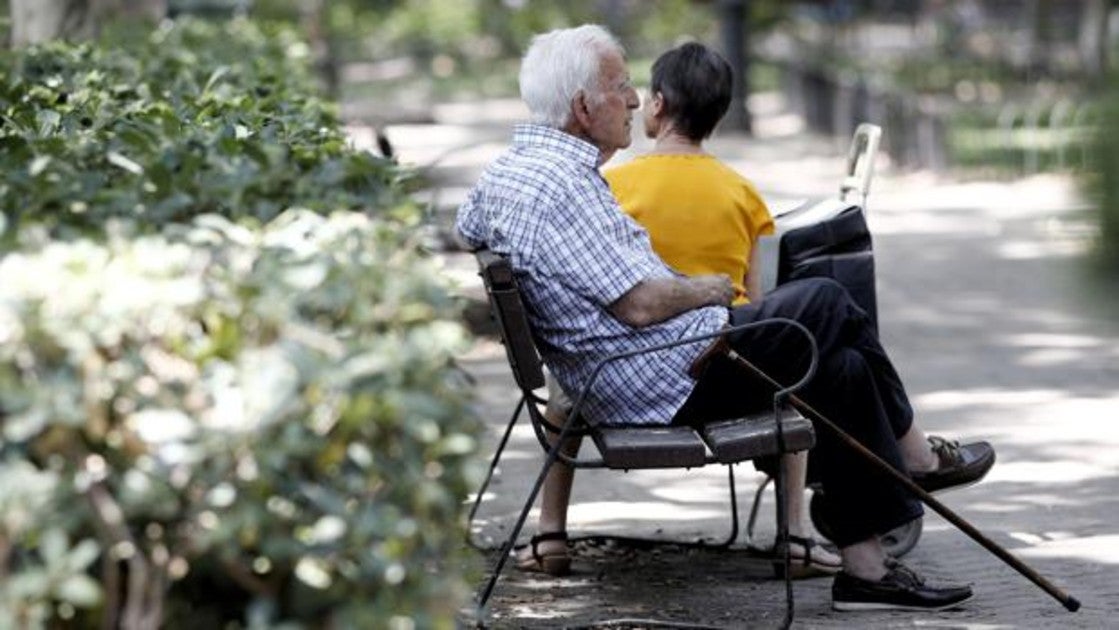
(575, 252)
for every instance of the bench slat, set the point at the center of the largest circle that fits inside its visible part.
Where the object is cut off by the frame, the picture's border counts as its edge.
(754, 436)
(650, 447)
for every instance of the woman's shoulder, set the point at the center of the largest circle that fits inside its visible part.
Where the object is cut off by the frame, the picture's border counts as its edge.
(636, 164)
(738, 178)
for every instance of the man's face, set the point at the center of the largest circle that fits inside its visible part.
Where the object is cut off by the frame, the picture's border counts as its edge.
(611, 109)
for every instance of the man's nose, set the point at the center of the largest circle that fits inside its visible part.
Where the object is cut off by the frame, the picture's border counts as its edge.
(633, 99)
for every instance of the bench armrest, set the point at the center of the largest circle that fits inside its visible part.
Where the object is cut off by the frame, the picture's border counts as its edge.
(777, 321)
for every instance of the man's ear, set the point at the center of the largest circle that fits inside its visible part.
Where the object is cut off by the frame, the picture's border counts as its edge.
(581, 109)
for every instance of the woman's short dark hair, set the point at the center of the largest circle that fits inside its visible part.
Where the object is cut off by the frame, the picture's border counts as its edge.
(695, 83)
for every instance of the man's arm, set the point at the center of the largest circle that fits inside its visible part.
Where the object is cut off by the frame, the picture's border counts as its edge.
(656, 299)
(469, 231)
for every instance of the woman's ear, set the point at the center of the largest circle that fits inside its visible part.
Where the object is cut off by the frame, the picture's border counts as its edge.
(656, 104)
(652, 111)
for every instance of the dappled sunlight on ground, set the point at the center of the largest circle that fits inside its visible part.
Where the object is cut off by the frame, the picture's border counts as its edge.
(1040, 195)
(715, 490)
(1024, 250)
(595, 513)
(1094, 549)
(956, 625)
(961, 398)
(1048, 473)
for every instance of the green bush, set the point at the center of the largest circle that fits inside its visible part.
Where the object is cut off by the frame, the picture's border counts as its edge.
(227, 395)
(1103, 178)
(266, 424)
(194, 118)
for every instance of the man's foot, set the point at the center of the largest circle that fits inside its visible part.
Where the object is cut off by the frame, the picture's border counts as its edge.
(544, 553)
(899, 589)
(957, 465)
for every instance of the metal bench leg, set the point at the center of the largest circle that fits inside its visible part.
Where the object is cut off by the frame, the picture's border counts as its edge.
(489, 475)
(782, 539)
(733, 510)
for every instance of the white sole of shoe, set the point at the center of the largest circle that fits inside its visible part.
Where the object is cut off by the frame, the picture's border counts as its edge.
(857, 606)
(959, 487)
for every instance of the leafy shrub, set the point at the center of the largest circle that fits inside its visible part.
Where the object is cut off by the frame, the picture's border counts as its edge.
(194, 118)
(1103, 178)
(265, 425)
(226, 389)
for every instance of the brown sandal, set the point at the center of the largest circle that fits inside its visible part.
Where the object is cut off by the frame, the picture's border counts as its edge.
(555, 563)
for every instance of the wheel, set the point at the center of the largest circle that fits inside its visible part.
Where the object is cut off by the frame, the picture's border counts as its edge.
(903, 538)
(897, 542)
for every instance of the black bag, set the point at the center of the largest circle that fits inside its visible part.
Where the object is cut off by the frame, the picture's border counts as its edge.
(837, 247)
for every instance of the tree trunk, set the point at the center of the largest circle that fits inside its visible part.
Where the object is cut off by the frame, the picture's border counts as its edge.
(316, 24)
(35, 21)
(1039, 35)
(143, 9)
(1094, 37)
(613, 16)
(734, 26)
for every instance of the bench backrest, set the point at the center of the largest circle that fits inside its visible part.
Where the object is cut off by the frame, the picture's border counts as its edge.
(512, 320)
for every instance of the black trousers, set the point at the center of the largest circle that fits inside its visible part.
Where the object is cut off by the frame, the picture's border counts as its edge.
(855, 386)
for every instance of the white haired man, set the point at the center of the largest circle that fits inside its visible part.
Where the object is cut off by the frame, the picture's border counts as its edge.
(594, 287)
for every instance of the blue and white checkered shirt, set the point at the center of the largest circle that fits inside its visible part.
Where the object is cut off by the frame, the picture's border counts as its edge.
(544, 204)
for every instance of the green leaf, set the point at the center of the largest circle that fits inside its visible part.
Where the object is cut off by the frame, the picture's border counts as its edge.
(137, 138)
(83, 554)
(120, 161)
(313, 572)
(79, 590)
(29, 584)
(217, 75)
(48, 121)
(52, 546)
(38, 165)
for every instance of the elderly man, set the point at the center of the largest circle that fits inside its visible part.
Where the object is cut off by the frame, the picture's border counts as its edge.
(594, 287)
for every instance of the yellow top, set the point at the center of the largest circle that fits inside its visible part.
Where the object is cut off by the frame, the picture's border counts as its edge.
(701, 215)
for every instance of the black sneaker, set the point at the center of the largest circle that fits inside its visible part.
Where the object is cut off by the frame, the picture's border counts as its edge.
(899, 589)
(959, 465)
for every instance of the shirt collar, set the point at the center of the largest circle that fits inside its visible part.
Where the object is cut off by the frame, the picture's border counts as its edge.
(552, 139)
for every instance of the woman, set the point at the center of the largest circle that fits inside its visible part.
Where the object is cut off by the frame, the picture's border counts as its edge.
(704, 218)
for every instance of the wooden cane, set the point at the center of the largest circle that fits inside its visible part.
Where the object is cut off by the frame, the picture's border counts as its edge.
(1068, 601)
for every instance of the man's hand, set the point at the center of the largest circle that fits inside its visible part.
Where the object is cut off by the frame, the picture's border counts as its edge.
(719, 289)
(655, 300)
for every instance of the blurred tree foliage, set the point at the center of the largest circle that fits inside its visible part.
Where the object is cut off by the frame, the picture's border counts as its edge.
(484, 29)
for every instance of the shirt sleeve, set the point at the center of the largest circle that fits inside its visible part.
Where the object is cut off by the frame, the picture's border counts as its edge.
(760, 220)
(468, 221)
(592, 247)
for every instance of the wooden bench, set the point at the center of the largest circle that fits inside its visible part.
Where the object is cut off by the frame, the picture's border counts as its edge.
(726, 442)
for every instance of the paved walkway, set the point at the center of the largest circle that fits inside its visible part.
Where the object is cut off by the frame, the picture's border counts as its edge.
(991, 319)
